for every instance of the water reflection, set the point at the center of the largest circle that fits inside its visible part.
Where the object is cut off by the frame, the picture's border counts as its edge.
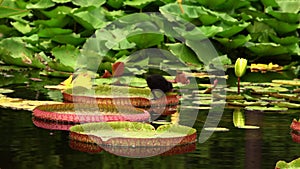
(253, 144)
(135, 152)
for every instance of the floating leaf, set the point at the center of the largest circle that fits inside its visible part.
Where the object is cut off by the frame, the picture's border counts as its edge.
(216, 129)
(21, 104)
(287, 104)
(266, 109)
(287, 82)
(265, 67)
(6, 90)
(248, 127)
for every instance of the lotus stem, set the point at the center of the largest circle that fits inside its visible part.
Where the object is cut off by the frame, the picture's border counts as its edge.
(239, 89)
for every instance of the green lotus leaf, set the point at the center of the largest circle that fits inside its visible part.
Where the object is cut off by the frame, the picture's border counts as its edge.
(50, 32)
(87, 3)
(234, 42)
(13, 51)
(22, 27)
(230, 30)
(61, 1)
(184, 53)
(260, 32)
(285, 40)
(266, 49)
(69, 39)
(115, 3)
(210, 31)
(90, 17)
(284, 16)
(292, 6)
(42, 4)
(270, 3)
(266, 109)
(146, 40)
(280, 26)
(206, 16)
(8, 12)
(58, 22)
(60, 11)
(65, 58)
(140, 4)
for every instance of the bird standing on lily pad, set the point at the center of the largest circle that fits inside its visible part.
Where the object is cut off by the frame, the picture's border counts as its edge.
(240, 69)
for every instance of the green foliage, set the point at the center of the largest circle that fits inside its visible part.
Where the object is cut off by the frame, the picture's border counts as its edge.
(256, 29)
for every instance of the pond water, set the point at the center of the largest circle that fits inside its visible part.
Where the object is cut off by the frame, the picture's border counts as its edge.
(23, 145)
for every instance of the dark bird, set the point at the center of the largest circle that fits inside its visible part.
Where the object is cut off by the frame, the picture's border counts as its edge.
(158, 83)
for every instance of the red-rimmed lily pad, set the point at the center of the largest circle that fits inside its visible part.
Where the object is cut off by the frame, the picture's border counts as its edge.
(83, 113)
(132, 134)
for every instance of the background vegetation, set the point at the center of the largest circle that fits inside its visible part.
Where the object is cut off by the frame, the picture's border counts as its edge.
(48, 34)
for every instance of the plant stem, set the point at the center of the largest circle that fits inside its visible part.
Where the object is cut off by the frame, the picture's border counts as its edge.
(239, 79)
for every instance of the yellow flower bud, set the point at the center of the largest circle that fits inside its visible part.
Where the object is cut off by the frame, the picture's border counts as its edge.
(240, 67)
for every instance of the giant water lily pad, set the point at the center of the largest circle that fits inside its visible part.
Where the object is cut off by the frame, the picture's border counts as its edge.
(133, 134)
(291, 165)
(119, 95)
(82, 113)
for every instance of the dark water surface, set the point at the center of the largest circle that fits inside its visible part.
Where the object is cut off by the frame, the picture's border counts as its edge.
(25, 146)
